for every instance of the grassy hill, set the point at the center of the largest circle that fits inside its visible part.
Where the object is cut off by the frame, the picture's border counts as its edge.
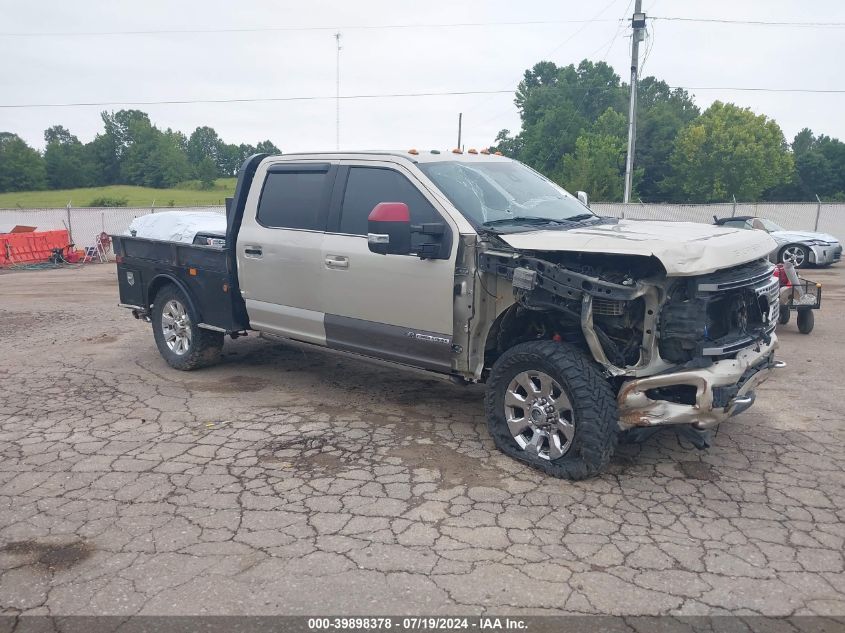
(184, 195)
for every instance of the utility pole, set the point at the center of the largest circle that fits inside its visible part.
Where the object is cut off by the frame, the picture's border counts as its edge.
(638, 26)
(337, 93)
(460, 117)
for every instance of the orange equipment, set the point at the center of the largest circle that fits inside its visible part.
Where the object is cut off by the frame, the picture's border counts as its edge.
(31, 247)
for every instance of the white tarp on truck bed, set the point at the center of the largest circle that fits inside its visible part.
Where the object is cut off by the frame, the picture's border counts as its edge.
(177, 226)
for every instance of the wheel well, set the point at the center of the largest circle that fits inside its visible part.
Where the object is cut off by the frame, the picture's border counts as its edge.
(160, 283)
(785, 246)
(155, 287)
(518, 325)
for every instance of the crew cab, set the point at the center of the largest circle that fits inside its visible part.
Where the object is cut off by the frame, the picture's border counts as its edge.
(475, 267)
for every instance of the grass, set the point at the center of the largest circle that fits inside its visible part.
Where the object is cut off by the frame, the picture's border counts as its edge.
(183, 195)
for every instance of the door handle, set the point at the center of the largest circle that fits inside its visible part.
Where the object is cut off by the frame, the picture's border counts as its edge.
(337, 261)
(253, 251)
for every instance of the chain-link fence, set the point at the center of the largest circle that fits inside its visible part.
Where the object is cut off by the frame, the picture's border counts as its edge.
(85, 224)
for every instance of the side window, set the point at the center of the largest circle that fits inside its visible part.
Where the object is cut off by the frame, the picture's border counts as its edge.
(737, 224)
(294, 200)
(367, 186)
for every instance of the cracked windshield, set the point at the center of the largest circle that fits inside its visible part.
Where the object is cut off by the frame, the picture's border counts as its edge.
(498, 194)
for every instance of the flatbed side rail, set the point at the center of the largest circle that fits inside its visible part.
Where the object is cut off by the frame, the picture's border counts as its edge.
(200, 272)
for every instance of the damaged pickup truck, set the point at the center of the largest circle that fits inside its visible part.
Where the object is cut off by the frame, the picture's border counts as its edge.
(476, 267)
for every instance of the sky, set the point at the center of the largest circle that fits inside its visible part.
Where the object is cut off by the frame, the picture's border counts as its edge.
(73, 63)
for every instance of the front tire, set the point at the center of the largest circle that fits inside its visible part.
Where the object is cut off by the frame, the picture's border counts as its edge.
(796, 254)
(180, 342)
(783, 317)
(549, 406)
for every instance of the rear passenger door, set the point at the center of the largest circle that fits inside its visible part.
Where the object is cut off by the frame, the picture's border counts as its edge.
(280, 248)
(396, 307)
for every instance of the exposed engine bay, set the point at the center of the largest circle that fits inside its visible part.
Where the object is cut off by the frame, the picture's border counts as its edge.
(632, 318)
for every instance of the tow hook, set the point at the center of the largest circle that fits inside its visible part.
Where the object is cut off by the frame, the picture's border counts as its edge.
(778, 364)
(742, 403)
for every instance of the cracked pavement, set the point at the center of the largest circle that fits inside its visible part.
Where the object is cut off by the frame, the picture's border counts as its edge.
(298, 482)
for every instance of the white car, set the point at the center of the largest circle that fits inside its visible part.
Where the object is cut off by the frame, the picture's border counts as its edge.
(798, 248)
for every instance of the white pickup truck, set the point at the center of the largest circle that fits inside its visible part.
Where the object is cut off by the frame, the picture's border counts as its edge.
(478, 268)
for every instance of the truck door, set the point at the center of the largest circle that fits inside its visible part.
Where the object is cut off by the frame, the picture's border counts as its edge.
(396, 307)
(279, 248)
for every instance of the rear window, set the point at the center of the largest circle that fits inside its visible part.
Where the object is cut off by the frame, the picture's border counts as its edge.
(294, 200)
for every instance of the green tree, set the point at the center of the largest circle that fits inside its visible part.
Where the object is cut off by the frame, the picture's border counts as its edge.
(108, 150)
(556, 104)
(233, 156)
(21, 167)
(727, 151)
(663, 113)
(67, 160)
(154, 158)
(267, 147)
(204, 143)
(819, 167)
(598, 164)
(206, 171)
(230, 159)
(803, 142)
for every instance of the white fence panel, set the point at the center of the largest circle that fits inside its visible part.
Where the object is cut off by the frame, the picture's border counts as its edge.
(790, 215)
(86, 224)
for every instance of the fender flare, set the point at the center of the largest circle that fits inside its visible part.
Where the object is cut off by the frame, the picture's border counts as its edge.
(164, 278)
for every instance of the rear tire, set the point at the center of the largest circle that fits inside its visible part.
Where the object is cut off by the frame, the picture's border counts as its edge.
(783, 318)
(582, 424)
(806, 320)
(180, 342)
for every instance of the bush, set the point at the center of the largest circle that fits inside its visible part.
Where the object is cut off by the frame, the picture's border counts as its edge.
(105, 201)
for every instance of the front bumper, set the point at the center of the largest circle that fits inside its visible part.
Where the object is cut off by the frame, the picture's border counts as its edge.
(823, 255)
(722, 390)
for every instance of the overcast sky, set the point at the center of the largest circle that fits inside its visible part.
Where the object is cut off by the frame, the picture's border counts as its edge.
(151, 67)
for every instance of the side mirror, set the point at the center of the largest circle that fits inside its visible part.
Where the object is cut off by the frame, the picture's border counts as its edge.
(583, 198)
(389, 229)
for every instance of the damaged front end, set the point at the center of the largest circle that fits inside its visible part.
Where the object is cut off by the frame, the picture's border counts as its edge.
(680, 350)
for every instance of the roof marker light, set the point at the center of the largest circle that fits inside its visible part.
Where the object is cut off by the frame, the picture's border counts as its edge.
(413, 152)
(457, 150)
(498, 154)
(472, 151)
(435, 151)
(485, 151)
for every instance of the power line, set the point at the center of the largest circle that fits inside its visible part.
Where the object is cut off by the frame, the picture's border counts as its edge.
(277, 29)
(595, 18)
(256, 99)
(755, 89)
(374, 27)
(395, 95)
(753, 22)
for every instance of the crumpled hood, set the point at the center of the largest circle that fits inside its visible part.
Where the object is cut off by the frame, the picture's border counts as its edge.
(684, 248)
(802, 236)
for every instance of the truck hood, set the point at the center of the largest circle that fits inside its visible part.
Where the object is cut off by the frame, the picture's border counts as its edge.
(684, 248)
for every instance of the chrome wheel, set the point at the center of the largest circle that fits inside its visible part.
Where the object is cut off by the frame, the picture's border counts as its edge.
(794, 255)
(539, 415)
(176, 327)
